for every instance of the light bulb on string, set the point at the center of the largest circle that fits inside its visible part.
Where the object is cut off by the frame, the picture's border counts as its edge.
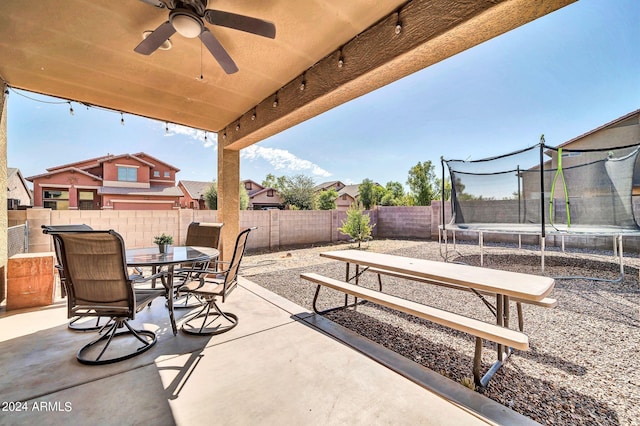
(166, 127)
(71, 108)
(122, 119)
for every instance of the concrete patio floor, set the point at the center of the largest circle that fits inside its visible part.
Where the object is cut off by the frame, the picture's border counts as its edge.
(281, 365)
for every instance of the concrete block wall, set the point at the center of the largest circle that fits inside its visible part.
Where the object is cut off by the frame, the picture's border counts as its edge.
(262, 237)
(305, 227)
(410, 222)
(281, 228)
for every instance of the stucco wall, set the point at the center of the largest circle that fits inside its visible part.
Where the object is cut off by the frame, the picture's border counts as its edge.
(3, 194)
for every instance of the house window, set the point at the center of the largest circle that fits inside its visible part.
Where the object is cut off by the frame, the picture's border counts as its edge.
(344, 197)
(270, 193)
(127, 174)
(156, 173)
(167, 174)
(55, 200)
(247, 186)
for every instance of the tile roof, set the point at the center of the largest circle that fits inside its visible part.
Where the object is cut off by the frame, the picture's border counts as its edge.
(195, 188)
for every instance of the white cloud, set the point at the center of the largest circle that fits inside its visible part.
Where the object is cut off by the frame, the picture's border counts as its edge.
(282, 159)
(195, 134)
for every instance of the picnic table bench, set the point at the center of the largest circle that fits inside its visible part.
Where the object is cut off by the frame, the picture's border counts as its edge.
(504, 285)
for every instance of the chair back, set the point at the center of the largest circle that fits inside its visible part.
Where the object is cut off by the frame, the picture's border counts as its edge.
(203, 234)
(96, 276)
(231, 276)
(58, 229)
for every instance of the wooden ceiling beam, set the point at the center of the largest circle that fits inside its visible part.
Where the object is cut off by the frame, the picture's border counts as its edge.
(430, 31)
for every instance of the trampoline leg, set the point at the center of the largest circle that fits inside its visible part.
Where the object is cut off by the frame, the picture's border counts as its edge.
(562, 242)
(519, 242)
(481, 244)
(621, 256)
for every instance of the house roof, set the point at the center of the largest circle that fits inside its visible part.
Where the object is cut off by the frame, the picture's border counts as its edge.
(253, 191)
(164, 191)
(325, 185)
(604, 126)
(11, 171)
(144, 155)
(95, 160)
(351, 190)
(260, 191)
(65, 170)
(195, 189)
(115, 157)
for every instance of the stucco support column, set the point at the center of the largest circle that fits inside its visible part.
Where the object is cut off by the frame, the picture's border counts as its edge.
(228, 198)
(3, 194)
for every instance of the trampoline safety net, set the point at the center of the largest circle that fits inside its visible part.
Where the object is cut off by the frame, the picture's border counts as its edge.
(580, 188)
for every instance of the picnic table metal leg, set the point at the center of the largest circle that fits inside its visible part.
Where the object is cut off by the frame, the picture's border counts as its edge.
(506, 311)
(520, 316)
(346, 296)
(499, 319)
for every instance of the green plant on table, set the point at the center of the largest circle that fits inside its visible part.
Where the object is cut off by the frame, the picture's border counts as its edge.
(163, 239)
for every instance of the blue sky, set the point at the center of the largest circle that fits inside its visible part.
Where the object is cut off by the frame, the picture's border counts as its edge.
(561, 75)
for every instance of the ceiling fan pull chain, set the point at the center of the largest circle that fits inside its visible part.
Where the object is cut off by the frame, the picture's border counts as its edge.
(201, 77)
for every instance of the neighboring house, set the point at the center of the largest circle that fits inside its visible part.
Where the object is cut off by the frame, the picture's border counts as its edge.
(261, 198)
(335, 184)
(348, 195)
(193, 194)
(622, 131)
(119, 182)
(18, 193)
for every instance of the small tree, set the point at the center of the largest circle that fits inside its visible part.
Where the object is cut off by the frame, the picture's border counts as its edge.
(327, 199)
(367, 195)
(211, 197)
(357, 224)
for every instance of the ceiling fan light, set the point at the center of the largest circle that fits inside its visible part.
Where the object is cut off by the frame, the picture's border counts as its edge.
(186, 25)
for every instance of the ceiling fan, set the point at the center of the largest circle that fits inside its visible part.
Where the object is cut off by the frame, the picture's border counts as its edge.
(186, 17)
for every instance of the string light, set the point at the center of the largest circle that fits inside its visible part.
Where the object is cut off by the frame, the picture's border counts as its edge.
(253, 116)
(224, 135)
(398, 25)
(9, 89)
(303, 85)
(205, 137)
(275, 101)
(238, 126)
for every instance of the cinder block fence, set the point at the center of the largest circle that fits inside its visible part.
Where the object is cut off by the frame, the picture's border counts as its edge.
(276, 229)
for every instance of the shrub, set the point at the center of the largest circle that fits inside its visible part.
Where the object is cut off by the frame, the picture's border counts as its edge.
(356, 225)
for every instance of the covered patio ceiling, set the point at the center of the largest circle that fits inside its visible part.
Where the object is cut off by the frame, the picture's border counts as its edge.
(325, 53)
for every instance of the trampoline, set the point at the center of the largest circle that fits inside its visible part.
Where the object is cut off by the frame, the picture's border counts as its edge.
(543, 191)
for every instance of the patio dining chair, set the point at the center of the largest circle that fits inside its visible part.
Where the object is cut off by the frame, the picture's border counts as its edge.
(200, 234)
(213, 284)
(98, 283)
(76, 323)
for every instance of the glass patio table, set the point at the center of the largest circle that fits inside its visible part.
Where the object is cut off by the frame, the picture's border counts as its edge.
(176, 255)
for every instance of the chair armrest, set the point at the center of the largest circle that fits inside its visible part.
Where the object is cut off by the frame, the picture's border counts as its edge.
(138, 279)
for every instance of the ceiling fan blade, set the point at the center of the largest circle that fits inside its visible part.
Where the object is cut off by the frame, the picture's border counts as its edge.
(218, 52)
(156, 3)
(240, 22)
(155, 39)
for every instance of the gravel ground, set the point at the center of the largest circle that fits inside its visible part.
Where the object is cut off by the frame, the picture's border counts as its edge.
(583, 366)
